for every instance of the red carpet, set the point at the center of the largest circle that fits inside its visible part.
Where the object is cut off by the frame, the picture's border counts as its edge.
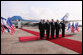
(68, 43)
(32, 32)
(29, 38)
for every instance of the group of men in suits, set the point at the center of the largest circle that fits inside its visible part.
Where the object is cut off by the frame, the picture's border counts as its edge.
(51, 27)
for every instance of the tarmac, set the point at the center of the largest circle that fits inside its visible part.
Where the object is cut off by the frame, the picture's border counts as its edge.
(10, 44)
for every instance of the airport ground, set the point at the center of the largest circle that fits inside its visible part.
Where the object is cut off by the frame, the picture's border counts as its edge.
(10, 44)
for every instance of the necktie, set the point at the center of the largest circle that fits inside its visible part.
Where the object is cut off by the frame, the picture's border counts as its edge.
(47, 22)
(42, 22)
(53, 22)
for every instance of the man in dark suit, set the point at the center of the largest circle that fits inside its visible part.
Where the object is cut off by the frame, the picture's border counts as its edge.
(63, 28)
(57, 27)
(44, 26)
(47, 26)
(52, 28)
(42, 29)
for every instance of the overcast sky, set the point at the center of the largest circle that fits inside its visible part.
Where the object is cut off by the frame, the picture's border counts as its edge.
(42, 9)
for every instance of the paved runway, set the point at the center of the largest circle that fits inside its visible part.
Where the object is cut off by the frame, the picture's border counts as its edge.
(10, 44)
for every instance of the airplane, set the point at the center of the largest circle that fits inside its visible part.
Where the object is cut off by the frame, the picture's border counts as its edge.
(35, 22)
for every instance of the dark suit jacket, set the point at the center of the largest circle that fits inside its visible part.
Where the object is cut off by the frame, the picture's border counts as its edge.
(62, 25)
(41, 26)
(57, 26)
(52, 25)
(47, 26)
